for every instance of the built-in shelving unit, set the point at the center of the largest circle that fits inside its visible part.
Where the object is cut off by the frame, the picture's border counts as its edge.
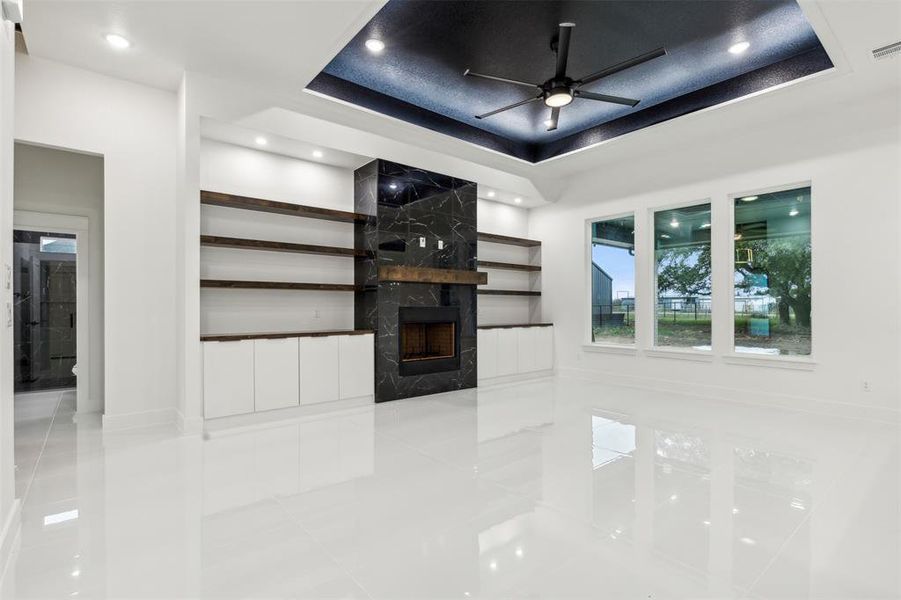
(506, 239)
(233, 201)
(237, 284)
(509, 293)
(515, 326)
(277, 335)
(490, 264)
(280, 208)
(533, 248)
(269, 246)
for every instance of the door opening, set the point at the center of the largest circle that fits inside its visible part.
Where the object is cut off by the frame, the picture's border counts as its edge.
(44, 312)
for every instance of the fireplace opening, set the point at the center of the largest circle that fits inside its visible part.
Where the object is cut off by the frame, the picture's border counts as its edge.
(427, 341)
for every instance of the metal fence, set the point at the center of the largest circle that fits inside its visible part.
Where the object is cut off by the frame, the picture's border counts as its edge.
(612, 315)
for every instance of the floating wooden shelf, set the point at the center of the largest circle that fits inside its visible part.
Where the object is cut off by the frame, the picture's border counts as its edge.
(516, 326)
(488, 264)
(246, 244)
(505, 239)
(233, 337)
(402, 273)
(281, 208)
(275, 285)
(508, 293)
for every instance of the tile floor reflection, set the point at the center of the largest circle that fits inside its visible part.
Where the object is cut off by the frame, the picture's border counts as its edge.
(550, 489)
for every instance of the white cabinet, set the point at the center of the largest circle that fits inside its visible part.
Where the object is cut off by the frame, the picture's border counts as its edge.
(319, 372)
(525, 344)
(515, 351)
(227, 378)
(507, 352)
(275, 370)
(487, 353)
(356, 365)
(544, 348)
(247, 376)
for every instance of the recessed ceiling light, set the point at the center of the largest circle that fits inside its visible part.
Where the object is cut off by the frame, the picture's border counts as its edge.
(674, 223)
(705, 225)
(317, 153)
(117, 41)
(393, 186)
(261, 141)
(793, 212)
(748, 541)
(491, 194)
(739, 47)
(375, 45)
(518, 200)
(749, 199)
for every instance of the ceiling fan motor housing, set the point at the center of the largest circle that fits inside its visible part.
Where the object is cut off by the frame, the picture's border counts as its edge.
(557, 92)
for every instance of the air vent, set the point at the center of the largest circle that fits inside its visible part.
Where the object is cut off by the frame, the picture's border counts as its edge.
(890, 51)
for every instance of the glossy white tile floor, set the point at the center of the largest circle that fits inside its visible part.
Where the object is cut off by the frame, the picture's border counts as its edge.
(551, 489)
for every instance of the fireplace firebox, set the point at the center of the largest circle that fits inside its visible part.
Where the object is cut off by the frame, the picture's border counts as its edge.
(428, 340)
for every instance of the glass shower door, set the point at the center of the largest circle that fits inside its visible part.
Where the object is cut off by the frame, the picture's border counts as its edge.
(45, 310)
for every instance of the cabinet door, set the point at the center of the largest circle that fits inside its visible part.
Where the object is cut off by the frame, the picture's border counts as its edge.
(275, 373)
(544, 348)
(525, 341)
(356, 365)
(227, 378)
(487, 353)
(507, 351)
(319, 374)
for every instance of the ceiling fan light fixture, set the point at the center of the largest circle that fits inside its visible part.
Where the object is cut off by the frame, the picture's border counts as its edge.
(559, 96)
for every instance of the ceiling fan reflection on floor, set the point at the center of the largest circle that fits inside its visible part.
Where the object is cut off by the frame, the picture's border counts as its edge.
(560, 90)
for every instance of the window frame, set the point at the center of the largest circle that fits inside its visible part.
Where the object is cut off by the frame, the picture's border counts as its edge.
(686, 353)
(730, 356)
(587, 342)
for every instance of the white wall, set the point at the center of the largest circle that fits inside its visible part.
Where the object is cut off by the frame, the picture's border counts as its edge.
(134, 128)
(9, 511)
(54, 181)
(853, 167)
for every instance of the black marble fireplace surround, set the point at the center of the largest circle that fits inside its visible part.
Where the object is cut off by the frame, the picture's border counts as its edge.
(405, 208)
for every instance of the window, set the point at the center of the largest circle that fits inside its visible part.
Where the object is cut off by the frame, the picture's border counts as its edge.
(613, 281)
(60, 245)
(772, 273)
(683, 268)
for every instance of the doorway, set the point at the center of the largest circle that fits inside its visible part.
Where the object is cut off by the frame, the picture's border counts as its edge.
(44, 310)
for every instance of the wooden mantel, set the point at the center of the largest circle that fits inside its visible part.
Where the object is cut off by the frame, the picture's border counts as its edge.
(405, 274)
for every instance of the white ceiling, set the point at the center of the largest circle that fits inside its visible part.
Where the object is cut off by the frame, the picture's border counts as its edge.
(282, 45)
(237, 135)
(257, 41)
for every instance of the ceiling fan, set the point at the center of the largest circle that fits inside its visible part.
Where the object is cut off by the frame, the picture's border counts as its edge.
(560, 90)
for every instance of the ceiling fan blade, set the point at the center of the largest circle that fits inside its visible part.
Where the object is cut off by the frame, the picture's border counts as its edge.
(626, 64)
(468, 73)
(555, 116)
(566, 30)
(494, 112)
(605, 98)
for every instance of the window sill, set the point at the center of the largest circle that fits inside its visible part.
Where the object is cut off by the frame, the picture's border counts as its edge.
(779, 362)
(680, 354)
(610, 349)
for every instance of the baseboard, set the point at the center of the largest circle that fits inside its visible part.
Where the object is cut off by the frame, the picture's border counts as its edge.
(807, 404)
(160, 416)
(505, 379)
(10, 537)
(188, 425)
(280, 416)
